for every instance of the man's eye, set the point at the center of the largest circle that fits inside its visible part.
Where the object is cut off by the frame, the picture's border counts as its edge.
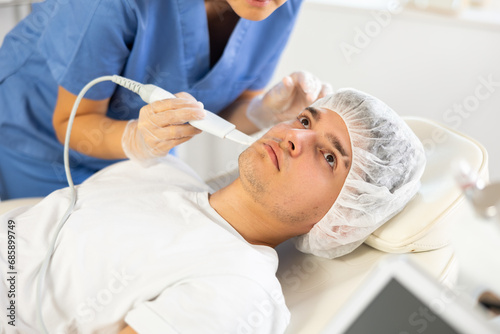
(304, 121)
(330, 158)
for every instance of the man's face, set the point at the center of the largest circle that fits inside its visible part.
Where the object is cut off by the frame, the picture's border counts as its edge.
(297, 169)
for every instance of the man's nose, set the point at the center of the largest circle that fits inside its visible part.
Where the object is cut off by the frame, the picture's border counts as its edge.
(295, 141)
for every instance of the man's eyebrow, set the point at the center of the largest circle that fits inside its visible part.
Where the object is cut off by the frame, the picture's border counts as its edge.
(316, 115)
(336, 143)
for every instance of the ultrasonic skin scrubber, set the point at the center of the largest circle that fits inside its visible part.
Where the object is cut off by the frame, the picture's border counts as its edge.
(212, 123)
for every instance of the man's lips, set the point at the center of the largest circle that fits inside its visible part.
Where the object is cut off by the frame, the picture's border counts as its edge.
(272, 148)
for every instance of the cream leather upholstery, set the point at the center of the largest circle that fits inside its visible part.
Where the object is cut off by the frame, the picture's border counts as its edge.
(8, 205)
(424, 222)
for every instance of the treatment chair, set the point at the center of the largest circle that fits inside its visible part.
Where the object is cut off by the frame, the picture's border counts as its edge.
(316, 288)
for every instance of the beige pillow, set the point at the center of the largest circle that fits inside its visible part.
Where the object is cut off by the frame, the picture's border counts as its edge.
(424, 223)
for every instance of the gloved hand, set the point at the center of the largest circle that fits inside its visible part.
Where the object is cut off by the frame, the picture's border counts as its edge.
(161, 126)
(286, 99)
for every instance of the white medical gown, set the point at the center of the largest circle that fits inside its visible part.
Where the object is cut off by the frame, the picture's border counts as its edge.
(143, 247)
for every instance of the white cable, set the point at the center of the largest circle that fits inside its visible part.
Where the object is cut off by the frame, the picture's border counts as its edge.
(124, 82)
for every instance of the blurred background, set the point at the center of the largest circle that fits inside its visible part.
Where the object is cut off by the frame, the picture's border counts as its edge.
(438, 59)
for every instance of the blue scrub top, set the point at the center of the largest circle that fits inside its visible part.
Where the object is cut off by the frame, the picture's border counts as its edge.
(163, 42)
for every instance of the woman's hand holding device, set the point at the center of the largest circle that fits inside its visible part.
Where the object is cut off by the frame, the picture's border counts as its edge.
(161, 126)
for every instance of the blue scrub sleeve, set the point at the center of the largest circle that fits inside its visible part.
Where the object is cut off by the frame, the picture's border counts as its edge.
(88, 39)
(263, 79)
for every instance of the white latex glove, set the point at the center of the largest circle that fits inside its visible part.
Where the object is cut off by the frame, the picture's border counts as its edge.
(287, 99)
(161, 126)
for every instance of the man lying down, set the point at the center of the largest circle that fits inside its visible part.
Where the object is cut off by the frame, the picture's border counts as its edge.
(152, 250)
